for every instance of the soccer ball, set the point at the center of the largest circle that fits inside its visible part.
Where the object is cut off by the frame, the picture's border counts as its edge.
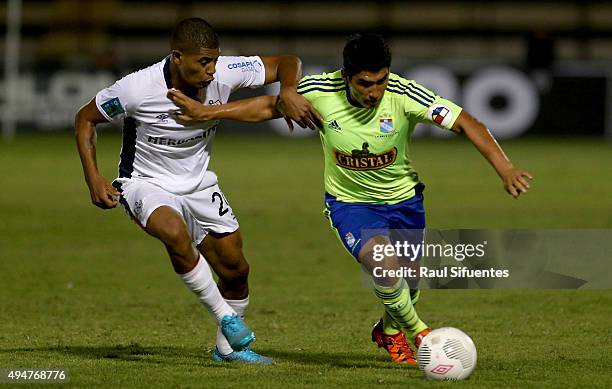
(447, 354)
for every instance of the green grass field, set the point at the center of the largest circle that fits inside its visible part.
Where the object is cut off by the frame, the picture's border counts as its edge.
(85, 290)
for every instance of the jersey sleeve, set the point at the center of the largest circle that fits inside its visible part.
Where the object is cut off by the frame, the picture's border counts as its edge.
(241, 72)
(117, 101)
(426, 106)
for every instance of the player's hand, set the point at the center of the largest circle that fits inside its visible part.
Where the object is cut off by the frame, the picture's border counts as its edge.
(191, 110)
(296, 108)
(103, 194)
(515, 181)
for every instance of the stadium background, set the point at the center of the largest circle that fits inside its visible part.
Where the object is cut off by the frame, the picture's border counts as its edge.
(84, 289)
(542, 54)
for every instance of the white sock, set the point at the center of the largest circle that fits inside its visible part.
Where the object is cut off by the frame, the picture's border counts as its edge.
(222, 343)
(201, 282)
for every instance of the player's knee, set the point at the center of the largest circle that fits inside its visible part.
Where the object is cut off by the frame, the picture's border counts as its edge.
(242, 271)
(235, 271)
(175, 233)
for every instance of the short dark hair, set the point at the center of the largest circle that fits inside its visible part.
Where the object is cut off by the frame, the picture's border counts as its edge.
(365, 52)
(192, 34)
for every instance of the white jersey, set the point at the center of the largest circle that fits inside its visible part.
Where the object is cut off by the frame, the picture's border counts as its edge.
(157, 148)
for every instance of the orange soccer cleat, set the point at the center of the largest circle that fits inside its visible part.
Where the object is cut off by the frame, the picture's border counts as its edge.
(420, 336)
(396, 345)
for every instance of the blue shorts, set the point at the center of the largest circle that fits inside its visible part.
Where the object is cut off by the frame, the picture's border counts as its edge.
(355, 223)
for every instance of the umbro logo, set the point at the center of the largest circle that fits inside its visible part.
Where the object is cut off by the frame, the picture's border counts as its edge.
(442, 369)
(162, 118)
(334, 125)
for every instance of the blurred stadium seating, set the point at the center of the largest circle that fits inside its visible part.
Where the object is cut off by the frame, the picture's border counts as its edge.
(70, 48)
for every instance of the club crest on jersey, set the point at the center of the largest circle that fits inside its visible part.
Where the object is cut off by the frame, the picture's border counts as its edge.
(440, 114)
(365, 160)
(386, 125)
(112, 107)
(138, 207)
(350, 239)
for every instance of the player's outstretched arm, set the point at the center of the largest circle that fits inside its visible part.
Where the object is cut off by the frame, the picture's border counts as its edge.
(288, 70)
(515, 179)
(252, 110)
(103, 194)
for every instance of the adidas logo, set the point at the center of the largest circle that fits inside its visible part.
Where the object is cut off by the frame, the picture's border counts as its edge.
(334, 125)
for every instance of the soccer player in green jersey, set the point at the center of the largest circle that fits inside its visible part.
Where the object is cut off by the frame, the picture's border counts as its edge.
(368, 115)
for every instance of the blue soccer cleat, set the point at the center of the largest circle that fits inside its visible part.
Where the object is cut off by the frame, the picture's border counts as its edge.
(238, 335)
(244, 356)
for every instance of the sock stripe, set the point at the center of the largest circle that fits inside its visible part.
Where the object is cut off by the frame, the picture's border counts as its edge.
(414, 295)
(388, 296)
(399, 307)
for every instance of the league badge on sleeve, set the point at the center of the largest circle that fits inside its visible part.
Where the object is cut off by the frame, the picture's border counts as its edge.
(112, 107)
(386, 125)
(440, 114)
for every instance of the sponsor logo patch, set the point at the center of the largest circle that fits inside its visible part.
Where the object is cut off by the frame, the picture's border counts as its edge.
(246, 66)
(365, 160)
(113, 107)
(181, 142)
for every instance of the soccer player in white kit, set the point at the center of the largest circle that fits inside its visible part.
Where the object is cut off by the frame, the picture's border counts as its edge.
(164, 182)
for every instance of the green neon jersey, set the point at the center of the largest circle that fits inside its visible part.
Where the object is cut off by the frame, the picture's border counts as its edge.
(367, 151)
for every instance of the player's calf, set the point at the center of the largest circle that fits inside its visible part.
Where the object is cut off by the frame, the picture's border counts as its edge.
(168, 226)
(224, 253)
(233, 282)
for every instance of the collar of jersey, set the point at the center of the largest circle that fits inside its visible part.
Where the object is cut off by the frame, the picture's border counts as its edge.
(167, 76)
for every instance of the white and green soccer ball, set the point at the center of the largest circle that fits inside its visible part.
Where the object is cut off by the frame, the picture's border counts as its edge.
(447, 354)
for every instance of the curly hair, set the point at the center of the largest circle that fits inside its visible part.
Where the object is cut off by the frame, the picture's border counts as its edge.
(192, 34)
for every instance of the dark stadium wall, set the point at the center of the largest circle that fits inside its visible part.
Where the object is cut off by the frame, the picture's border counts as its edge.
(511, 101)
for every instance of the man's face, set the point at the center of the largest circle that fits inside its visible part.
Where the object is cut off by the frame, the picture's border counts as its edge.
(197, 69)
(368, 87)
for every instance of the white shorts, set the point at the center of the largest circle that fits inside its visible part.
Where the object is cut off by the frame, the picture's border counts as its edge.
(204, 211)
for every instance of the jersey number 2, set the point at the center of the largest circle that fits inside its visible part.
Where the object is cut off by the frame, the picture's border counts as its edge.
(222, 211)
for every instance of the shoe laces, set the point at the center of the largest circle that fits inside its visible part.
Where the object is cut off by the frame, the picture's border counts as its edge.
(397, 344)
(232, 324)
